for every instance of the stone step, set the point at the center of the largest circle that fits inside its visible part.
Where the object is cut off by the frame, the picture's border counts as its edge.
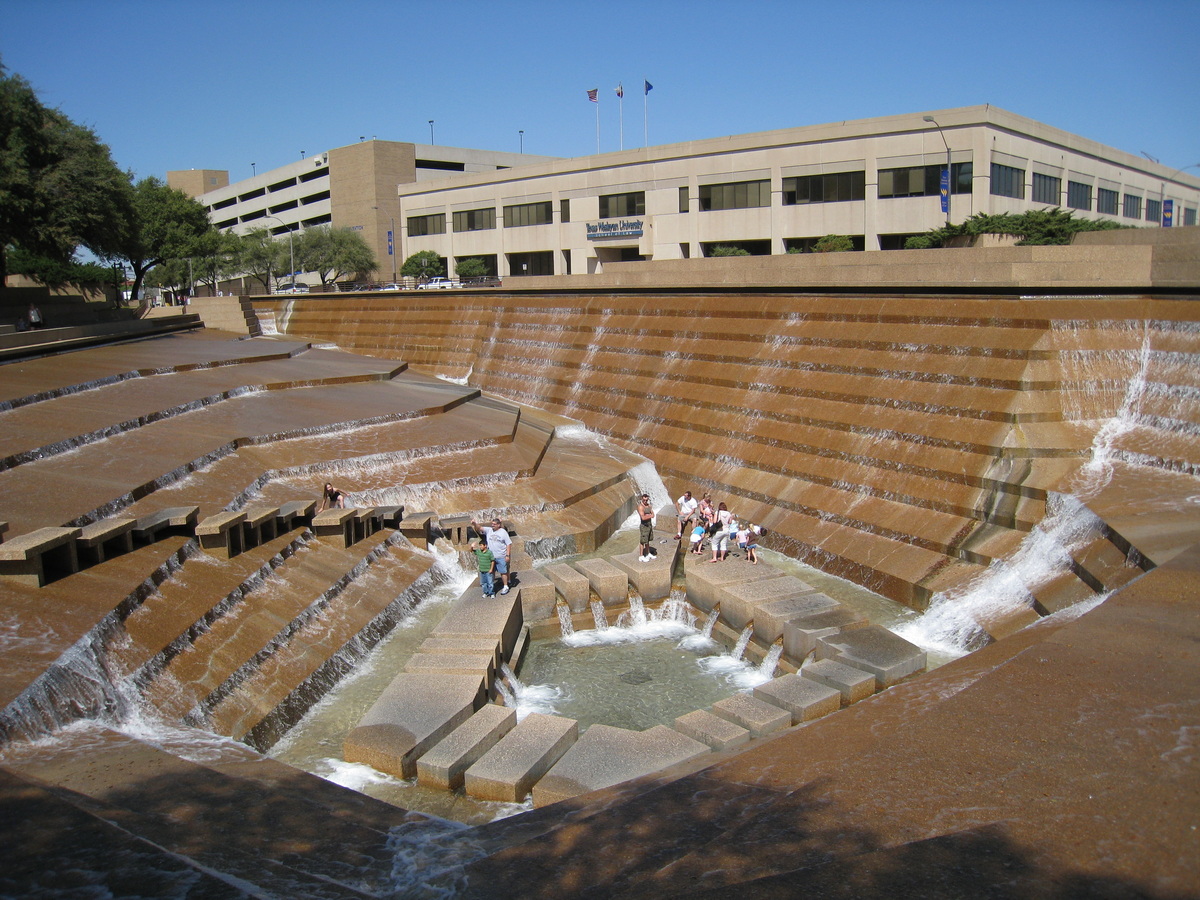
(571, 584)
(608, 582)
(854, 684)
(874, 649)
(445, 765)
(652, 579)
(709, 728)
(803, 698)
(752, 713)
(509, 770)
(604, 756)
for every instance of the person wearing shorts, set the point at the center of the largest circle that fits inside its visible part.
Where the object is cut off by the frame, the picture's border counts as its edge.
(645, 528)
(685, 508)
(499, 542)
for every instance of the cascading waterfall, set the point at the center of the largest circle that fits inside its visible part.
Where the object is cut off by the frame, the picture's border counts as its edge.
(743, 641)
(635, 615)
(771, 661)
(711, 621)
(566, 626)
(526, 698)
(598, 615)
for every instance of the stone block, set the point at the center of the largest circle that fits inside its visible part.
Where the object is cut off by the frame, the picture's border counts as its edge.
(482, 644)
(480, 664)
(416, 528)
(610, 583)
(706, 579)
(854, 684)
(756, 716)
(711, 729)
(261, 524)
(1000, 623)
(413, 714)
(537, 595)
(801, 633)
(40, 556)
(445, 765)
(508, 771)
(652, 580)
(804, 700)
(874, 649)
(106, 538)
(476, 616)
(335, 526)
(572, 584)
(221, 535)
(605, 756)
(771, 600)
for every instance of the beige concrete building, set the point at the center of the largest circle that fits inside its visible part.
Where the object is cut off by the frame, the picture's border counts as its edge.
(875, 180)
(347, 187)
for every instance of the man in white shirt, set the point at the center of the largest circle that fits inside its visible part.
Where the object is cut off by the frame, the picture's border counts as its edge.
(499, 542)
(685, 508)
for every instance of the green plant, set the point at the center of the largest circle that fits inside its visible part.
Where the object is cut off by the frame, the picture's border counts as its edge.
(833, 243)
(423, 264)
(725, 250)
(471, 267)
(1035, 227)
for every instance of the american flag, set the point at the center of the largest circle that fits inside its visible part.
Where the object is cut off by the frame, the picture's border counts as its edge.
(620, 90)
(592, 95)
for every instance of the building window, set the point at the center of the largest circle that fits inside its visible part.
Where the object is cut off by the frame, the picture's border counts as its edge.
(1189, 217)
(833, 188)
(1008, 182)
(1106, 201)
(522, 214)
(538, 263)
(564, 212)
(474, 219)
(1154, 211)
(738, 195)
(1079, 196)
(1133, 207)
(1046, 189)
(683, 199)
(617, 206)
(920, 181)
(419, 226)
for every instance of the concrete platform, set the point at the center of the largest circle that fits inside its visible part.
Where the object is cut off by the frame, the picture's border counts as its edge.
(757, 716)
(711, 729)
(803, 698)
(853, 683)
(887, 656)
(705, 579)
(509, 770)
(445, 765)
(473, 616)
(572, 584)
(412, 715)
(536, 594)
(605, 756)
(801, 633)
(652, 580)
(609, 583)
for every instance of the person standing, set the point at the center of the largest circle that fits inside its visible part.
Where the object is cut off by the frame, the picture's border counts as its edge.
(685, 508)
(499, 542)
(486, 561)
(646, 527)
(35, 316)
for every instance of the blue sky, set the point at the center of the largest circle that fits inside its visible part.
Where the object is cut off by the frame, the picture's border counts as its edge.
(221, 85)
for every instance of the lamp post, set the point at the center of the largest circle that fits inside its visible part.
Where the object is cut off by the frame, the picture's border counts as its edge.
(949, 171)
(431, 131)
(522, 139)
(291, 253)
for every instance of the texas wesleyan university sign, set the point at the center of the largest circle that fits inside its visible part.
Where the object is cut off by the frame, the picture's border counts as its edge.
(614, 228)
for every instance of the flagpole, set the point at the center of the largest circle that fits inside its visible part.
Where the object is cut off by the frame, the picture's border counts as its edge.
(647, 87)
(597, 127)
(621, 112)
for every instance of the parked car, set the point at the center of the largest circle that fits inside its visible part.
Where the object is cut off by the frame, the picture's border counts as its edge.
(482, 281)
(292, 288)
(391, 286)
(437, 284)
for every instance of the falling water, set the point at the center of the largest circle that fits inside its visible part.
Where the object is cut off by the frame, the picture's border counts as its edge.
(564, 618)
(506, 693)
(526, 698)
(598, 615)
(711, 621)
(771, 660)
(635, 616)
(743, 641)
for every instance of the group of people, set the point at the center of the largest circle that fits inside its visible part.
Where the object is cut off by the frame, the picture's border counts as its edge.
(492, 555)
(699, 519)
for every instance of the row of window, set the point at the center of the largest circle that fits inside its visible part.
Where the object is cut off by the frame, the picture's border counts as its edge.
(837, 187)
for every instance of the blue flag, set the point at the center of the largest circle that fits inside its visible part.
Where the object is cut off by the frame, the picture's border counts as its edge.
(649, 87)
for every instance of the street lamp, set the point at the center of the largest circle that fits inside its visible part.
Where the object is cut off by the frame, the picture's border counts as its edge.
(522, 138)
(291, 253)
(431, 131)
(949, 171)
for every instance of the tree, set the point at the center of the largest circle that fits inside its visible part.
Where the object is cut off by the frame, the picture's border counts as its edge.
(423, 264)
(215, 254)
(471, 267)
(333, 253)
(725, 250)
(260, 256)
(166, 224)
(1035, 227)
(834, 243)
(59, 187)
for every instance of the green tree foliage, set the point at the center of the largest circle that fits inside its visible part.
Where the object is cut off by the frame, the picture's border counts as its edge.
(423, 264)
(1035, 227)
(215, 257)
(471, 267)
(334, 253)
(59, 187)
(834, 243)
(260, 255)
(723, 250)
(166, 224)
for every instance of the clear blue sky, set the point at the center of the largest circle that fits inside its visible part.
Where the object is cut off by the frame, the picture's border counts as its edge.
(215, 84)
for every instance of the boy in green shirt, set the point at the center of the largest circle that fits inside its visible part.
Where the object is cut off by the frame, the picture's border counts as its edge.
(487, 565)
